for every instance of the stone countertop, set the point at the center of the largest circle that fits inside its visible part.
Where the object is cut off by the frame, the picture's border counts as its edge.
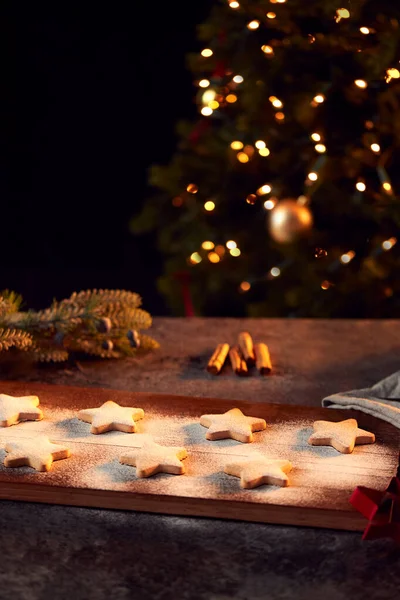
(57, 552)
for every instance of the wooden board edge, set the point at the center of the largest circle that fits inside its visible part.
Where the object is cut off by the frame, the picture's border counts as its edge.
(185, 506)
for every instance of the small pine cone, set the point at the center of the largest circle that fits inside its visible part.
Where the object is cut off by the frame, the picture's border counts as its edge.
(107, 345)
(133, 338)
(104, 325)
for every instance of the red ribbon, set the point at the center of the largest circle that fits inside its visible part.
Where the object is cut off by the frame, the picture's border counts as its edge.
(184, 279)
(382, 509)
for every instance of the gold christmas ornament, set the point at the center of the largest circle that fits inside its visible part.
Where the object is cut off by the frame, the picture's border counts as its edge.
(289, 221)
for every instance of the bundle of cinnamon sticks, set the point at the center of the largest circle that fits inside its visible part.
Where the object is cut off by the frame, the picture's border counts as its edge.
(243, 355)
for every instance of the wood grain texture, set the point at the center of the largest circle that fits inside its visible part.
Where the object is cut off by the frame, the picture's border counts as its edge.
(320, 484)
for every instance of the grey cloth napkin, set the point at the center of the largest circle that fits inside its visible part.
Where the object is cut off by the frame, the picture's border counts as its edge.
(382, 400)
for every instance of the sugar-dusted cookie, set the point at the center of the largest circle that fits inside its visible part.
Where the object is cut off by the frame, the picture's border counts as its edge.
(36, 452)
(232, 424)
(257, 470)
(13, 410)
(152, 458)
(343, 435)
(110, 416)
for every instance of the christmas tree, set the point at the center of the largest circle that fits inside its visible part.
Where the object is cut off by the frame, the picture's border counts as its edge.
(281, 199)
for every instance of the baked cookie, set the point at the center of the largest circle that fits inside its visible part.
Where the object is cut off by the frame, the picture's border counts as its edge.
(258, 470)
(233, 424)
(152, 458)
(110, 416)
(13, 409)
(343, 435)
(37, 452)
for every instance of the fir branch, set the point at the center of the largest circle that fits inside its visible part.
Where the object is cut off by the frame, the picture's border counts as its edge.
(94, 322)
(50, 354)
(14, 338)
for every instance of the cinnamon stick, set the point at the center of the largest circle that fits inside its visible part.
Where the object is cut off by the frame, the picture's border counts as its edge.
(217, 360)
(246, 346)
(263, 359)
(237, 362)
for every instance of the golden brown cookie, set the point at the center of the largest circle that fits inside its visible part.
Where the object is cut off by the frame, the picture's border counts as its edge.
(152, 458)
(13, 410)
(258, 470)
(232, 424)
(342, 436)
(37, 452)
(110, 416)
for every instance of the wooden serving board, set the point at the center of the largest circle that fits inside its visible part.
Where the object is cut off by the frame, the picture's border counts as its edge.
(320, 484)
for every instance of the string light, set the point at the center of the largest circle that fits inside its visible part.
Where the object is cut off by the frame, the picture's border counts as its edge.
(341, 13)
(280, 116)
(361, 187)
(386, 186)
(242, 157)
(365, 30)
(207, 245)
(251, 199)
(208, 96)
(236, 145)
(220, 250)
(320, 148)
(245, 286)
(264, 152)
(207, 52)
(267, 49)
(209, 205)
(320, 253)
(260, 144)
(233, 4)
(361, 83)
(369, 124)
(347, 257)
(214, 104)
(231, 98)
(213, 257)
(249, 150)
(316, 137)
(375, 148)
(388, 244)
(271, 15)
(206, 111)
(253, 24)
(303, 200)
(312, 176)
(192, 188)
(275, 102)
(230, 244)
(325, 285)
(195, 258)
(392, 74)
(269, 204)
(238, 79)
(204, 83)
(264, 189)
(319, 98)
(235, 252)
(275, 271)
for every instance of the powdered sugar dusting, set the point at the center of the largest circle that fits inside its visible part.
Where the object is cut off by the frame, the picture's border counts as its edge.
(94, 462)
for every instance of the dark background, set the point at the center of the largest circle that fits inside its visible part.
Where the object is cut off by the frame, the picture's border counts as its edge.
(91, 97)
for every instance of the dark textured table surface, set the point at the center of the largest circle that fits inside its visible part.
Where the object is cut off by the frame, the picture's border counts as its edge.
(55, 552)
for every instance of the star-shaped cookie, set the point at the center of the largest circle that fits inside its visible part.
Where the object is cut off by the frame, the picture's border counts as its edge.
(343, 435)
(232, 424)
(38, 453)
(257, 470)
(110, 416)
(13, 409)
(152, 458)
